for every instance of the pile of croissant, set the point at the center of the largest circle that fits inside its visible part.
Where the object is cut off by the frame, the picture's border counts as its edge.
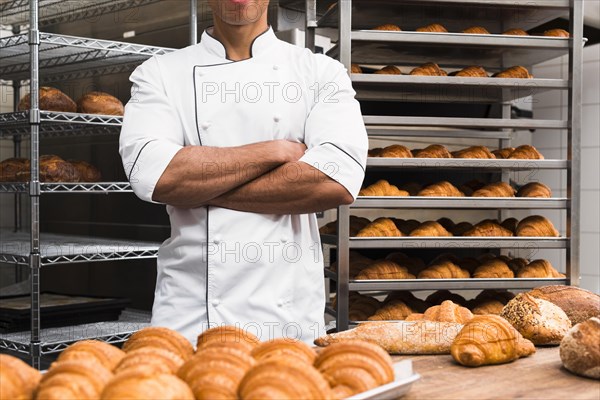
(524, 152)
(479, 30)
(52, 169)
(433, 69)
(229, 363)
(398, 265)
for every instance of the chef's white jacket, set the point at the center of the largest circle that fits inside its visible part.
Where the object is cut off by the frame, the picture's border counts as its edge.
(261, 272)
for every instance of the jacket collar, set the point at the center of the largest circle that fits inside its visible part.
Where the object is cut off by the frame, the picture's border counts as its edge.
(259, 45)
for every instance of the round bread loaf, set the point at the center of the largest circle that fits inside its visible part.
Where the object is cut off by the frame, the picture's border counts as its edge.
(579, 304)
(12, 169)
(51, 99)
(87, 172)
(580, 349)
(99, 103)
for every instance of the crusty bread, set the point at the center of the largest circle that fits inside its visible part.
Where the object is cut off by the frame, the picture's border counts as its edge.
(580, 349)
(99, 103)
(51, 99)
(579, 304)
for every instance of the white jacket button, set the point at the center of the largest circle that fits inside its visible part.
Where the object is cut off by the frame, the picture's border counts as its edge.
(280, 303)
(284, 239)
(205, 125)
(216, 303)
(216, 240)
(275, 67)
(276, 118)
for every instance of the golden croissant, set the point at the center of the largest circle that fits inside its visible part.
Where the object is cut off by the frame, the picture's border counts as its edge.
(433, 151)
(284, 347)
(514, 72)
(356, 224)
(387, 27)
(488, 306)
(163, 361)
(414, 303)
(444, 270)
(510, 224)
(476, 30)
(535, 189)
(413, 264)
(515, 32)
(227, 334)
(383, 188)
(73, 379)
(356, 69)
(441, 189)
(361, 308)
(143, 383)
(488, 228)
(493, 269)
(389, 70)
(432, 28)
(536, 225)
(445, 312)
(503, 153)
(428, 69)
(165, 338)
(460, 228)
(557, 33)
(497, 189)
(393, 310)
(430, 228)
(478, 152)
(357, 263)
(517, 264)
(355, 365)
(396, 151)
(489, 339)
(381, 227)
(94, 350)
(384, 269)
(526, 152)
(374, 152)
(17, 379)
(283, 379)
(539, 269)
(216, 372)
(406, 226)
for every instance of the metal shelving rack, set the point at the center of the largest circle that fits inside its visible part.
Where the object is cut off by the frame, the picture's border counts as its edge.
(357, 43)
(62, 57)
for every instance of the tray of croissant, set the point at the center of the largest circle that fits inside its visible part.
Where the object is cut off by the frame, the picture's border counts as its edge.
(404, 377)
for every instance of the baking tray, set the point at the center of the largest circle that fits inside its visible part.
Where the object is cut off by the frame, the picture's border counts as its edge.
(404, 378)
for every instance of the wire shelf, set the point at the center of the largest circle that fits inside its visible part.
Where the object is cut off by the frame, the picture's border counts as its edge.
(95, 187)
(492, 203)
(462, 163)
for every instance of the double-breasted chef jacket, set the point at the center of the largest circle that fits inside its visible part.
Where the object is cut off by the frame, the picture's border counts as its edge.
(261, 272)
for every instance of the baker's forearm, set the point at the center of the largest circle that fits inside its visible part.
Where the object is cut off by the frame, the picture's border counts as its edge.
(293, 188)
(199, 173)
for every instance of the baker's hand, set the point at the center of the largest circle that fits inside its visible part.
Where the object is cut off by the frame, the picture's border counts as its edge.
(292, 151)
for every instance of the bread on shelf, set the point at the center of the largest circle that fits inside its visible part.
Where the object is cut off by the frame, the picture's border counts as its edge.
(503, 153)
(493, 269)
(579, 304)
(387, 27)
(535, 189)
(510, 224)
(413, 188)
(440, 296)
(479, 30)
(579, 350)
(93, 350)
(488, 228)
(536, 226)
(557, 33)
(441, 189)
(413, 264)
(356, 224)
(515, 32)
(432, 28)
(405, 296)
(356, 69)
(497, 189)
(14, 169)
(430, 229)
(383, 188)
(357, 262)
(395, 151)
(86, 171)
(393, 310)
(517, 264)
(389, 70)
(165, 338)
(517, 71)
(445, 312)
(428, 69)
(52, 168)
(18, 380)
(526, 152)
(539, 269)
(477, 152)
(444, 270)
(381, 227)
(433, 151)
(470, 186)
(460, 228)
(361, 307)
(475, 346)
(100, 103)
(384, 269)
(538, 320)
(51, 99)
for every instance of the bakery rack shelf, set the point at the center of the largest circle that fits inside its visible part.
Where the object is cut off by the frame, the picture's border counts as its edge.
(380, 123)
(62, 249)
(462, 163)
(16, 12)
(54, 340)
(444, 89)
(95, 187)
(415, 202)
(69, 57)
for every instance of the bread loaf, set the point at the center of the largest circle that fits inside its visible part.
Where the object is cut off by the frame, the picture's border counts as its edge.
(580, 349)
(14, 169)
(579, 304)
(86, 171)
(51, 99)
(100, 103)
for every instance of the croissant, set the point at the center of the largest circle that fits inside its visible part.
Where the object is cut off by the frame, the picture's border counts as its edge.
(374, 152)
(407, 298)
(514, 72)
(493, 269)
(536, 225)
(468, 263)
(394, 310)
(539, 269)
(355, 365)
(396, 151)
(439, 296)
(381, 227)
(498, 189)
(384, 269)
(413, 264)
(227, 334)
(406, 226)
(443, 270)
(537, 320)
(145, 383)
(445, 312)
(469, 187)
(357, 263)
(283, 347)
(503, 153)
(93, 350)
(478, 152)
(473, 71)
(441, 189)
(557, 33)
(430, 228)
(18, 380)
(517, 264)
(355, 69)
(362, 308)
(488, 228)
(356, 224)
(535, 189)
(412, 188)
(477, 30)
(216, 372)
(387, 27)
(163, 361)
(489, 339)
(510, 224)
(502, 295)
(516, 32)
(382, 188)
(429, 69)
(488, 306)
(432, 28)
(460, 228)
(73, 379)
(526, 152)
(165, 338)
(389, 70)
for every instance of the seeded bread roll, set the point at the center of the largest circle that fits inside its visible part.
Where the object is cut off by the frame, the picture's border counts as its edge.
(579, 349)
(579, 304)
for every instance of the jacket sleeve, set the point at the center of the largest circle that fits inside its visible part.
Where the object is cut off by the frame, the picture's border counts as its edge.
(152, 132)
(335, 133)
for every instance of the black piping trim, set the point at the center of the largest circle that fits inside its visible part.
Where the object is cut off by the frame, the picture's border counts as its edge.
(224, 48)
(344, 151)
(196, 103)
(207, 264)
(138, 156)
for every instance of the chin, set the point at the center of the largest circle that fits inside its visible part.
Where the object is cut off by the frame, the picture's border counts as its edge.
(239, 12)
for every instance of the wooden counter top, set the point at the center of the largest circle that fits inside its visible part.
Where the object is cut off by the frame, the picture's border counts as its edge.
(540, 376)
